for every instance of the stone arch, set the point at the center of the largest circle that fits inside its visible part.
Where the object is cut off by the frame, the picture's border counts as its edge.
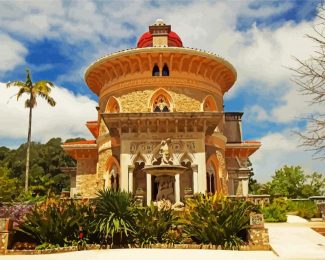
(139, 159)
(112, 174)
(213, 175)
(139, 177)
(209, 104)
(186, 159)
(161, 98)
(112, 106)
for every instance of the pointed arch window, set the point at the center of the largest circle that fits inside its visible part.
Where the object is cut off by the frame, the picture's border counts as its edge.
(165, 71)
(112, 106)
(114, 178)
(209, 104)
(161, 104)
(210, 178)
(155, 70)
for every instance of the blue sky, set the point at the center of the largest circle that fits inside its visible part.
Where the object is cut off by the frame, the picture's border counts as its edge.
(59, 39)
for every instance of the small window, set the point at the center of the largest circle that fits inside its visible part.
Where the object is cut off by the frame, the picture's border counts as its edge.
(155, 70)
(165, 71)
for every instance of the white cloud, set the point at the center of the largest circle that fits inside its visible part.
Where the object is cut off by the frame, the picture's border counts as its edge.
(279, 149)
(12, 53)
(66, 120)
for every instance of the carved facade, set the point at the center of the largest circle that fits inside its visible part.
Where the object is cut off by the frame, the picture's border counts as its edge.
(161, 131)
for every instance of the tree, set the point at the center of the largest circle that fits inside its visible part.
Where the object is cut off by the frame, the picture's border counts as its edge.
(310, 78)
(288, 181)
(41, 89)
(292, 182)
(8, 186)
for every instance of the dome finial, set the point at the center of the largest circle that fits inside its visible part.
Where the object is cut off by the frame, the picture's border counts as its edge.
(159, 21)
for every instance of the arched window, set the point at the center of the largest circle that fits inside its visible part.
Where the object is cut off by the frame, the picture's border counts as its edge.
(112, 105)
(111, 178)
(210, 178)
(114, 178)
(209, 104)
(155, 70)
(165, 71)
(161, 104)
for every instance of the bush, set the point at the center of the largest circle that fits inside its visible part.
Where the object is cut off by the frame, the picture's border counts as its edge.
(57, 222)
(16, 212)
(113, 215)
(276, 211)
(217, 220)
(152, 225)
(305, 209)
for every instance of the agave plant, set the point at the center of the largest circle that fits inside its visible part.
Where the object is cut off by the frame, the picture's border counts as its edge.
(152, 224)
(113, 215)
(57, 222)
(216, 220)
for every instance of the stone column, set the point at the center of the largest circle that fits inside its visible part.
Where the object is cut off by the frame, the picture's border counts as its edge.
(148, 177)
(245, 187)
(202, 183)
(130, 178)
(177, 189)
(195, 179)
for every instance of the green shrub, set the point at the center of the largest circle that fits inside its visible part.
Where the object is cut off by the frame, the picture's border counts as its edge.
(305, 209)
(153, 224)
(113, 215)
(217, 220)
(276, 211)
(57, 222)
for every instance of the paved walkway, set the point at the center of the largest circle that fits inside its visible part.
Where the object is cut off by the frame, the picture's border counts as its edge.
(296, 240)
(150, 254)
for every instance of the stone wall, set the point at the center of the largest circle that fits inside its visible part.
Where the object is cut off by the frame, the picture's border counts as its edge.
(258, 236)
(86, 178)
(184, 100)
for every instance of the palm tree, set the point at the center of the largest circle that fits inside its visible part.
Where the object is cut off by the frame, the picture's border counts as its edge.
(42, 89)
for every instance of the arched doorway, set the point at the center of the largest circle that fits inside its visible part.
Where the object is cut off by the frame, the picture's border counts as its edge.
(112, 175)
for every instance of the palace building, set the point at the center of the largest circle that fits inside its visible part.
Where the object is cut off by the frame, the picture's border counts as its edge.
(161, 132)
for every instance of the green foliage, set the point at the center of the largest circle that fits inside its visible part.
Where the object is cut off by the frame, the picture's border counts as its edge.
(8, 186)
(217, 220)
(292, 182)
(45, 167)
(276, 211)
(114, 216)
(152, 225)
(306, 209)
(46, 246)
(57, 222)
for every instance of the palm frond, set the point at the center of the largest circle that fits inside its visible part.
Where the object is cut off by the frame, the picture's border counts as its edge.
(48, 99)
(21, 91)
(16, 83)
(43, 86)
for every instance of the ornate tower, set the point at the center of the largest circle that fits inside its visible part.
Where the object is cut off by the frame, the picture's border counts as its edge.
(156, 92)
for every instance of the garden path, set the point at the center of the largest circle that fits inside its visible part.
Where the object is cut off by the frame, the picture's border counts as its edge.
(149, 254)
(296, 240)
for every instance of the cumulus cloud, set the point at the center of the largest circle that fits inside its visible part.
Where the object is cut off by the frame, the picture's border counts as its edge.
(66, 120)
(12, 53)
(279, 149)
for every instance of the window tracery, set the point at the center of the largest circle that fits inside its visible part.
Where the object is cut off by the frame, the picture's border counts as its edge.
(161, 104)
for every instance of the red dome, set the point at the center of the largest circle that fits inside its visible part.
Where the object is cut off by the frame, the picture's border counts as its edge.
(146, 40)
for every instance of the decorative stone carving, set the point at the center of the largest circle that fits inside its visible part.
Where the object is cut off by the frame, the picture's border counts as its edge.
(256, 220)
(164, 156)
(166, 188)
